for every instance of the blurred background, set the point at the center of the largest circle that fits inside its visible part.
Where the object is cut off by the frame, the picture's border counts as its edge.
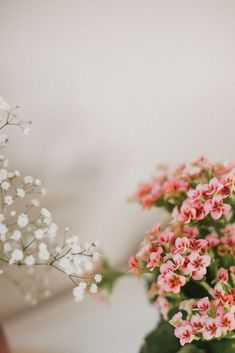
(113, 87)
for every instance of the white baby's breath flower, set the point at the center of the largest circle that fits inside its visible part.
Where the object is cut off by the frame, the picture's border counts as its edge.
(2, 217)
(20, 192)
(3, 229)
(45, 213)
(93, 288)
(43, 191)
(30, 260)
(8, 200)
(16, 235)
(98, 278)
(22, 220)
(13, 213)
(39, 233)
(5, 185)
(43, 252)
(10, 175)
(17, 255)
(16, 173)
(3, 174)
(35, 202)
(37, 182)
(28, 180)
(78, 293)
(52, 230)
(7, 247)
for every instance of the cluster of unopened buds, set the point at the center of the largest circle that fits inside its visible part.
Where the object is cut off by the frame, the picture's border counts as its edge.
(28, 234)
(193, 255)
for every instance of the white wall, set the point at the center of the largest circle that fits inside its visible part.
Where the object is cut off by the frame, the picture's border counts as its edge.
(113, 88)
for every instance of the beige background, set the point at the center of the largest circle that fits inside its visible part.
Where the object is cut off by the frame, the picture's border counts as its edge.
(113, 87)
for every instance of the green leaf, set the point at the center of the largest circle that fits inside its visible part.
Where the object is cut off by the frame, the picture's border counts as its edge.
(191, 348)
(161, 340)
(225, 345)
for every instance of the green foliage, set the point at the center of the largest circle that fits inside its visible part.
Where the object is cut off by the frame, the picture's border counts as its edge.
(110, 276)
(191, 348)
(161, 340)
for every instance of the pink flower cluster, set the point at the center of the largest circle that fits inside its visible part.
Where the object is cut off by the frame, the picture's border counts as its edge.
(206, 199)
(207, 319)
(176, 259)
(197, 247)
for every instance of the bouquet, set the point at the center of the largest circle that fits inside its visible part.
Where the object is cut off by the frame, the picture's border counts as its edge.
(189, 262)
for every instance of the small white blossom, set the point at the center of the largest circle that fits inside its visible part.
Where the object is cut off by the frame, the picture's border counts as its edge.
(39, 233)
(43, 252)
(98, 278)
(5, 185)
(37, 182)
(35, 202)
(16, 235)
(45, 213)
(17, 255)
(1, 217)
(12, 213)
(28, 180)
(3, 174)
(20, 192)
(16, 173)
(78, 293)
(8, 200)
(93, 288)
(7, 247)
(3, 229)
(22, 220)
(30, 260)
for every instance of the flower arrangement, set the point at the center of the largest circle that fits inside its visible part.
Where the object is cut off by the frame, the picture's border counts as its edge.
(28, 234)
(189, 262)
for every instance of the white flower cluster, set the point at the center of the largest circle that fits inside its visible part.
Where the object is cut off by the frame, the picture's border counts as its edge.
(28, 235)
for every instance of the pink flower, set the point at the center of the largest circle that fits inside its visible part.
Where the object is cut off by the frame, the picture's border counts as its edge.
(155, 258)
(175, 186)
(197, 323)
(166, 267)
(166, 237)
(218, 207)
(212, 239)
(173, 282)
(187, 213)
(222, 274)
(185, 334)
(198, 265)
(227, 322)
(181, 245)
(133, 262)
(212, 329)
(214, 186)
(203, 305)
(176, 320)
(227, 187)
(201, 209)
